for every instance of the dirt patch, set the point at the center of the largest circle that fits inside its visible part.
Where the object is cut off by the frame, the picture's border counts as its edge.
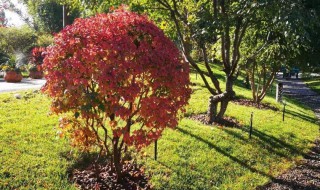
(101, 177)
(251, 103)
(305, 176)
(226, 121)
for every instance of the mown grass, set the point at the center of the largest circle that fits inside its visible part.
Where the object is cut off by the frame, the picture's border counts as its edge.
(193, 156)
(197, 156)
(313, 83)
(31, 154)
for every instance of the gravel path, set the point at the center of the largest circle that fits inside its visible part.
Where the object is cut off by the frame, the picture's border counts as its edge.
(307, 175)
(25, 84)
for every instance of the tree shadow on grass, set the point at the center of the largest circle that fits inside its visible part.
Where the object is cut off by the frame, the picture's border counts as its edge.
(265, 142)
(306, 117)
(225, 153)
(276, 142)
(263, 137)
(186, 174)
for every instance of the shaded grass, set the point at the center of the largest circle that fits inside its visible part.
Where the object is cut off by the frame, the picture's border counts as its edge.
(193, 156)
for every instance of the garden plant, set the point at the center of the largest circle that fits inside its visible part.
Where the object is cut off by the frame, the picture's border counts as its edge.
(123, 81)
(116, 86)
(35, 67)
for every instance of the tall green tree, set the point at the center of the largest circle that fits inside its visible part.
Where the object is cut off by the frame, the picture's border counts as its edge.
(91, 7)
(205, 24)
(281, 34)
(48, 14)
(14, 40)
(308, 58)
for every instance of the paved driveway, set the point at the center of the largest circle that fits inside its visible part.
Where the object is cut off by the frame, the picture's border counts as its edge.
(298, 90)
(25, 84)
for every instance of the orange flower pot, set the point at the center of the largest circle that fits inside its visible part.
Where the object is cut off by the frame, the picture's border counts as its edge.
(36, 74)
(12, 76)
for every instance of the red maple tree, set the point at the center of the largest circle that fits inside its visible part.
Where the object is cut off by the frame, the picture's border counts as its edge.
(37, 56)
(121, 78)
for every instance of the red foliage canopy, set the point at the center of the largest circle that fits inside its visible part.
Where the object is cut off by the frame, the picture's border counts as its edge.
(38, 54)
(116, 72)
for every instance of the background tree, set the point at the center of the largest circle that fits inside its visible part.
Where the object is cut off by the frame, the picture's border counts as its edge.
(279, 36)
(123, 81)
(264, 49)
(308, 58)
(17, 39)
(202, 25)
(17, 42)
(48, 15)
(92, 7)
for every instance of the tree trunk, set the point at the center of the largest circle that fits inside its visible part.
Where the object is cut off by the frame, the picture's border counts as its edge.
(223, 99)
(247, 81)
(117, 159)
(212, 110)
(266, 86)
(223, 108)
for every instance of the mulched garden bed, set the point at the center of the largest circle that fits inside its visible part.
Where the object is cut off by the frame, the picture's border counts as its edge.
(100, 177)
(226, 121)
(306, 176)
(251, 103)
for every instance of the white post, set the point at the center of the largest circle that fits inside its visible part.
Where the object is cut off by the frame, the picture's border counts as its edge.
(279, 92)
(64, 16)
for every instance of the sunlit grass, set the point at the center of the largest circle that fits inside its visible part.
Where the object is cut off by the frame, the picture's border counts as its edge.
(197, 156)
(31, 155)
(193, 156)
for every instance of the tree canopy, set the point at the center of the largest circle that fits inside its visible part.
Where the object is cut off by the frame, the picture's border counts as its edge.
(122, 79)
(255, 36)
(48, 15)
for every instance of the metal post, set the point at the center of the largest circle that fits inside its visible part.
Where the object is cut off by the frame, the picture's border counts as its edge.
(155, 150)
(284, 110)
(251, 125)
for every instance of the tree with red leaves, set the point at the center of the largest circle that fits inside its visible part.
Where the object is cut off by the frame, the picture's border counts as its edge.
(121, 78)
(37, 56)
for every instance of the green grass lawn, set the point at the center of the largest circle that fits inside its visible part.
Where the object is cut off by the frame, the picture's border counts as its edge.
(313, 83)
(31, 154)
(193, 156)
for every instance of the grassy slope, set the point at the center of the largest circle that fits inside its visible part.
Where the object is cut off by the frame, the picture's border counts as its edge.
(31, 155)
(313, 83)
(197, 156)
(193, 156)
